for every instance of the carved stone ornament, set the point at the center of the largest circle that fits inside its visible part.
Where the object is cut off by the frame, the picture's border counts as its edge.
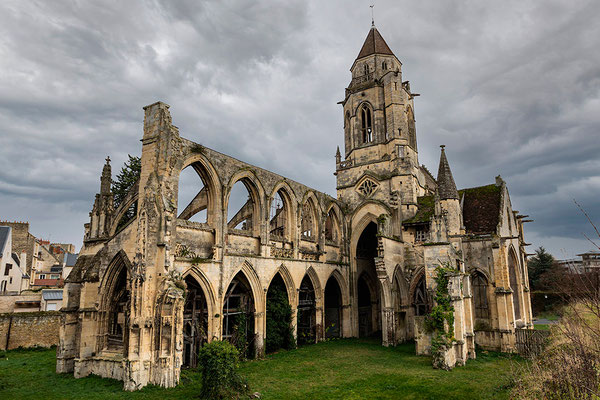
(367, 187)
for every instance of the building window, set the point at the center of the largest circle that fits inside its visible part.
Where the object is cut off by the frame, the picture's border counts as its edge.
(367, 124)
(400, 151)
(480, 300)
(366, 69)
(421, 234)
(42, 276)
(384, 65)
(7, 269)
(3, 286)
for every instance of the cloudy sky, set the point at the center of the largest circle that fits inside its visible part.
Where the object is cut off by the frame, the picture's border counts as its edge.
(511, 87)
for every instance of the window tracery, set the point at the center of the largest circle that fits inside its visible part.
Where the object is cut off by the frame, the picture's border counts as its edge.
(366, 124)
(367, 187)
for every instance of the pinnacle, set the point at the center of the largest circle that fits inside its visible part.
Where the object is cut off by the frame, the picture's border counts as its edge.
(445, 180)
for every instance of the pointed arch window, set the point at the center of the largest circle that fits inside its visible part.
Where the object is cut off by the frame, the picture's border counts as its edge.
(366, 69)
(366, 117)
(308, 222)
(420, 299)
(480, 298)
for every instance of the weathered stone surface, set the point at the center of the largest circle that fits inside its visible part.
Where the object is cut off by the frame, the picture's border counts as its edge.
(370, 255)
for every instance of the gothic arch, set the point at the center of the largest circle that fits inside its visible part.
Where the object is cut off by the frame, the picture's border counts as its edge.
(208, 290)
(130, 199)
(337, 275)
(400, 284)
(312, 206)
(255, 190)
(289, 198)
(251, 276)
(334, 213)
(115, 299)
(289, 283)
(514, 276)
(314, 278)
(211, 180)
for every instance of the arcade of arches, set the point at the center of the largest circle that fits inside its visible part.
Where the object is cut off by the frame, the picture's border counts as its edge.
(217, 248)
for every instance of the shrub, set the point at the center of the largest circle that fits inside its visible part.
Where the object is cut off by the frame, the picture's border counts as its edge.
(219, 362)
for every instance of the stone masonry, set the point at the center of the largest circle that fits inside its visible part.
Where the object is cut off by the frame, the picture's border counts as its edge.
(152, 285)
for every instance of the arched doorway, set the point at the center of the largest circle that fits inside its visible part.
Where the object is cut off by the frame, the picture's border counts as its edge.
(306, 320)
(333, 309)
(367, 286)
(118, 315)
(238, 315)
(279, 317)
(195, 322)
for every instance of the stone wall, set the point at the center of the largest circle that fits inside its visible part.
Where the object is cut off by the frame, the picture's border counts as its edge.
(7, 303)
(22, 241)
(38, 329)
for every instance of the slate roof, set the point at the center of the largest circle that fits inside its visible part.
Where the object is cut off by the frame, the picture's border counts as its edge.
(481, 208)
(71, 259)
(374, 44)
(52, 294)
(4, 232)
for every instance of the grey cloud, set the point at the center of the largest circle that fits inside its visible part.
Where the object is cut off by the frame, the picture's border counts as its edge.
(511, 87)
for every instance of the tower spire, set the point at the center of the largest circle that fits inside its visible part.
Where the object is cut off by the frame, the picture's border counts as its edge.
(372, 16)
(445, 181)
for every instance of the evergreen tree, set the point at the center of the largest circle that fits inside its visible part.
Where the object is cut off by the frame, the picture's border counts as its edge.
(129, 174)
(539, 265)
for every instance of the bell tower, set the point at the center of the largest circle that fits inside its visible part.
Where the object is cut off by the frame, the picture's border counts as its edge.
(379, 130)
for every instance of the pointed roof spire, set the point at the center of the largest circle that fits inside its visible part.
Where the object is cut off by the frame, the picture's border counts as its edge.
(374, 44)
(445, 181)
(106, 178)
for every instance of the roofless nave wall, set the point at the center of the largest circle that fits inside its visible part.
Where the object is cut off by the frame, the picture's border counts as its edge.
(152, 284)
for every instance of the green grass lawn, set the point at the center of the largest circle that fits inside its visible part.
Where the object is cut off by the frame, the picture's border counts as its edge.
(344, 369)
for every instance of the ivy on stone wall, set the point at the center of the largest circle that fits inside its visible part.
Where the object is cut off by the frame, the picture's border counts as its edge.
(279, 320)
(440, 321)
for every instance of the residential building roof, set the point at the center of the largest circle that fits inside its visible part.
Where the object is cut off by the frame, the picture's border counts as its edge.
(4, 234)
(48, 282)
(52, 294)
(71, 259)
(16, 259)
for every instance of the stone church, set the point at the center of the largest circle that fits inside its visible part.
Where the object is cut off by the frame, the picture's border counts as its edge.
(155, 281)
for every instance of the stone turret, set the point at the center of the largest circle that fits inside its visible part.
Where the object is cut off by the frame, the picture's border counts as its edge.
(448, 196)
(102, 213)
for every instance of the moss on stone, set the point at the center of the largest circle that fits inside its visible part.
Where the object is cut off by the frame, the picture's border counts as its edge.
(425, 209)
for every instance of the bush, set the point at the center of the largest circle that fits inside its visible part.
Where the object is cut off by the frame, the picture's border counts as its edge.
(219, 362)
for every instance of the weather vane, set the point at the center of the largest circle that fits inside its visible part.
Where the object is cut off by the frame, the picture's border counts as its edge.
(372, 15)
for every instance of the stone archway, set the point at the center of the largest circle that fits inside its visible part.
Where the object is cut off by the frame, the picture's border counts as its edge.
(333, 309)
(368, 288)
(195, 322)
(307, 315)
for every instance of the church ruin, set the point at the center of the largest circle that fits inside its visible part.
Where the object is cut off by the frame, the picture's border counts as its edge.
(151, 285)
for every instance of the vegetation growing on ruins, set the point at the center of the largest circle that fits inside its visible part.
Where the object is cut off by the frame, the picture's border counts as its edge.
(440, 321)
(325, 370)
